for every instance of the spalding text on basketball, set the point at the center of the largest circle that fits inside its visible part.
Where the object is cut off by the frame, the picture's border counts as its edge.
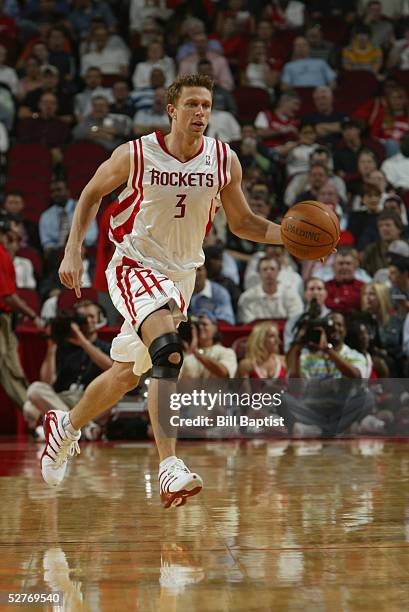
(309, 234)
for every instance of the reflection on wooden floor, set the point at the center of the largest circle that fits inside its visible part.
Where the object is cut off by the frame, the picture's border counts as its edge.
(280, 526)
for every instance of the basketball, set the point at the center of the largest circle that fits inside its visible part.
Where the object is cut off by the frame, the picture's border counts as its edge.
(310, 230)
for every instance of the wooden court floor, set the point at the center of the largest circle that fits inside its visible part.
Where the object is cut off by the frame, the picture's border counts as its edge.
(297, 526)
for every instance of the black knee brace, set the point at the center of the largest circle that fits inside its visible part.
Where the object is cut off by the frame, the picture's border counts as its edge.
(160, 350)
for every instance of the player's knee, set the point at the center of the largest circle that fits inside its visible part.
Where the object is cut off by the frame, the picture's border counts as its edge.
(166, 353)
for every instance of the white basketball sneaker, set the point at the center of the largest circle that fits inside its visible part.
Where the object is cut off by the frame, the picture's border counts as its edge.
(177, 482)
(61, 440)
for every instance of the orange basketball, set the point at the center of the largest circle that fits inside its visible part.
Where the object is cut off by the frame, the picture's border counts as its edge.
(310, 230)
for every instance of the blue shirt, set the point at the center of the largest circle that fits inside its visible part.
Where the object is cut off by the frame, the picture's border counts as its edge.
(49, 226)
(215, 298)
(307, 72)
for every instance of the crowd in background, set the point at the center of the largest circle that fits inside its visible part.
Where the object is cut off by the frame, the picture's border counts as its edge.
(312, 96)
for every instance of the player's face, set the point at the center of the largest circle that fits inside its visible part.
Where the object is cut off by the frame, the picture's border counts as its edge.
(192, 110)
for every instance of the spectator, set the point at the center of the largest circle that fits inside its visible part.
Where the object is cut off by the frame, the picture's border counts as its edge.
(362, 54)
(12, 377)
(363, 224)
(50, 84)
(221, 70)
(279, 128)
(156, 58)
(142, 98)
(396, 168)
(288, 274)
(46, 127)
(262, 358)
(265, 31)
(394, 203)
(23, 267)
(304, 70)
(84, 12)
(381, 29)
(58, 55)
(319, 47)
(348, 149)
(70, 365)
(122, 104)
(222, 98)
(399, 54)
(205, 357)
(252, 156)
(208, 295)
(55, 222)
(140, 11)
(234, 43)
(398, 260)
(109, 60)
(270, 299)
(223, 126)
(317, 176)
(371, 112)
(389, 229)
(8, 75)
(31, 80)
(326, 407)
(260, 71)
(286, 14)
(157, 118)
(83, 100)
(314, 290)
(366, 164)
(325, 118)
(101, 127)
(392, 123)
(344, 290)
(26, 230)
(298, 158)
(214, 269)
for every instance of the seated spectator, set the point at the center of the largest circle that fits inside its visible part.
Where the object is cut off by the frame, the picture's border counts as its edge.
(55, 222)
(8, 75)
(84, 12)
(223, 126)
(375, 255)
(348, 149)
(140, 11)
(286, 14)
(69, 366)
(381, 29)
(398, 260)
(262, 358)
(83, 100)
(58, 55)
(318, 175)
(216, 238)
(252, 155)
(366, 164)
(142, 98)
(324, 407)
(156, 58)
(204, 356)
(363, 224)
(50, 84)
(362, 54)
(234, 43)
(31, 79)
(304, 70)
(23, 267)
(399, 54)
(270, 299)
(122, 104)
(109, 60)
(46, 127)
(371, 111)
(298, 158)
(300, 182)
(378, 178)
(260, 71)
(157, 118)
(50, 305)
(288, 274)
(214, 269)
(392, 122)
(26, 230)
(319, 47)
(396, 168)
(344, 290)
(189, 28)
(314, 291)
(101, 127)
(221, 70)
(240, 248)
(208, 295)
(266, 32)
(325, 118)
(279, 128)
(394, 203)
(223, 100)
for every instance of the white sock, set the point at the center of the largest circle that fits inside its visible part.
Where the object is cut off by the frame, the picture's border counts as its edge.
(165, 462)
(68, 425)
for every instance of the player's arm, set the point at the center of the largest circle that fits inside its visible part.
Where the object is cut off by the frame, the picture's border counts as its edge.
(242, 221)
(110, 175)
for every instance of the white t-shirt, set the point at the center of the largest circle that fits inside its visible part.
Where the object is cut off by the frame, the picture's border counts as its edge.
(192, 368)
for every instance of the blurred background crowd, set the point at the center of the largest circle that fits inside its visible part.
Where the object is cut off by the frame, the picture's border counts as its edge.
(312, 96)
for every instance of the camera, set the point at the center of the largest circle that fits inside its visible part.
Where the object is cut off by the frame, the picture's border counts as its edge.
(185, 329)
(61, 327)
(312, 323)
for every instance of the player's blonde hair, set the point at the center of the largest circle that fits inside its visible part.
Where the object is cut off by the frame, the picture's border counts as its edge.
(256, 351)
(188, 80)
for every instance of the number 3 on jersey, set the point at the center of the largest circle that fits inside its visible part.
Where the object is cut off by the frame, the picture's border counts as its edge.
(181, 205)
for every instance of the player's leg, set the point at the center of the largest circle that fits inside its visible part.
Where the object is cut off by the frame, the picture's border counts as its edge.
(63, 430)
(176, 481)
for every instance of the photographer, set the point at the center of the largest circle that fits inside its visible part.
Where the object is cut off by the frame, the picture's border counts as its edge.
(315, 295)
(327, 407)
(204, 356)
(75, 356)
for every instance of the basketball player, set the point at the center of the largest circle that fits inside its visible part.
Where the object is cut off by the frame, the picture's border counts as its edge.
(174, 185)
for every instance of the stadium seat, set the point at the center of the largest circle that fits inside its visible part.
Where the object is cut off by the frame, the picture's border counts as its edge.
(67, 299)
(402, 76)
(250, 101)
(307, 103)
(29, 160)
(81, 160)
(335, 29)
(33, 300)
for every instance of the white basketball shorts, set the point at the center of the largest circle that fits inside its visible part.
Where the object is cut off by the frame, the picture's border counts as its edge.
(136, 292)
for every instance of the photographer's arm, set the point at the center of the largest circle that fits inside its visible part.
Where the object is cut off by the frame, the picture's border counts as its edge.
(293, 359)
(48, 372)
(94, 353)
(216, 368)
(346, 369)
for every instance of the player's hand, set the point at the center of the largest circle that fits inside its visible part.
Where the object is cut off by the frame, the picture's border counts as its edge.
(71, 271)
(322, 259)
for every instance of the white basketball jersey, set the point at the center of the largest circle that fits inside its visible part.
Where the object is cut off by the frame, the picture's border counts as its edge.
(168, 205)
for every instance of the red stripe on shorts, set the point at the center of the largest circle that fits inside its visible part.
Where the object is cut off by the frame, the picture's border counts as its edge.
(121, 288)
